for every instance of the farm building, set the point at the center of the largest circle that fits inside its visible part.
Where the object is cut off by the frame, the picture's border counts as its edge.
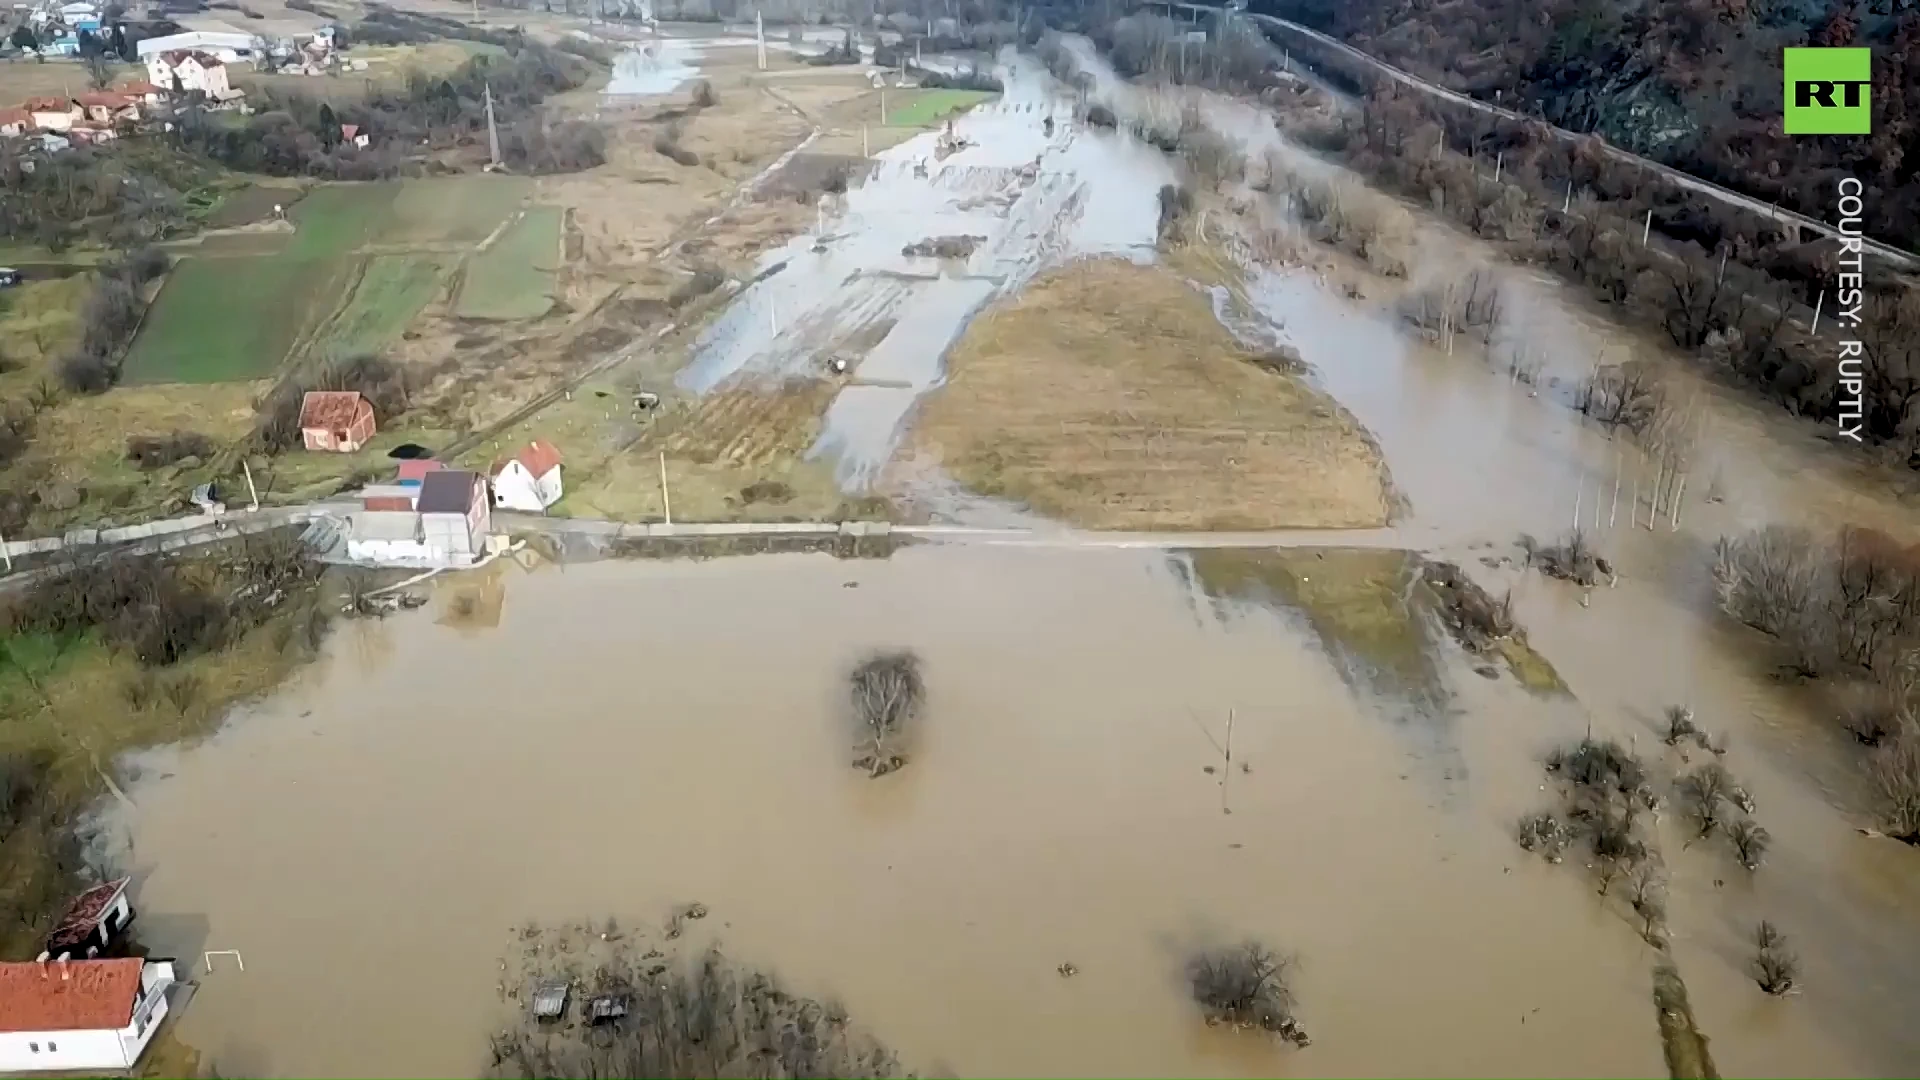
(338, 420)
(529, 480)
(110, 107)
(383, 497)
(454, 515)
(413, 472)
(231, 48)
(80, 1015)
(54, 114)
(93, 922)
(190, 71)
(15, 121)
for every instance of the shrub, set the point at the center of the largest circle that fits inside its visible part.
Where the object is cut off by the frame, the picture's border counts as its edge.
(707, 1019)
(666, 141)
(887, 694)
(1893, 773)
(704, 96)
(159, 451)
(1246, 986)
(1775, 967)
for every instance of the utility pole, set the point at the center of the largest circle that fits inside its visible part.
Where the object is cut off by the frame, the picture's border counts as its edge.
(666, 499)
(493, 132)
(760, 37)
(253, 493)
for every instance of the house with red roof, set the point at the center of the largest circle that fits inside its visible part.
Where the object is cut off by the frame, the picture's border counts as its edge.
(109, 107)
(80, 1015)
(337, 420)
(53, 113)
(529, 480)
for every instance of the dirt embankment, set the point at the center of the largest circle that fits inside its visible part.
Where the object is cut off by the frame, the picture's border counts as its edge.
(1107, 395)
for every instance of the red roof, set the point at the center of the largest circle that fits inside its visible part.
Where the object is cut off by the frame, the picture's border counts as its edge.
(539, 457)
(74, 995)
(138, 87)
(48, 104)
(418, 468)
(16, 116)
(332, 410)
(175, 57)
(108, 98)
(348, 131)
(84, 914)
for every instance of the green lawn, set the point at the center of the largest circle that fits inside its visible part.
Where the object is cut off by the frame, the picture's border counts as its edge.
(514, 278)
(391, 291)
(221, 319)
(920, 108)
(239, 309)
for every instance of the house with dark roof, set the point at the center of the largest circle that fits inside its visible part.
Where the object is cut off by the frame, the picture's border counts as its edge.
(337, 420)
(80, 1015)
(529, 480)
(455, 515)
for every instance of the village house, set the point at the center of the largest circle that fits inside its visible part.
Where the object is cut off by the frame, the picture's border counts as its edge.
(94, 921)
(15, 122)
(529, 480)
(191, 72)
(80, 1015)
(54, 114)
(454, 514)
(109, 107)
(381, 497)
(338, 420)
(148, 93)
(92, 134)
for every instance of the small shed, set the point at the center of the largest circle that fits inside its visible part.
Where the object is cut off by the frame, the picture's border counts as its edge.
(454, 514)
(389, 496)
(416, 470)
(337, 420)
(529, 480)
(93, 922)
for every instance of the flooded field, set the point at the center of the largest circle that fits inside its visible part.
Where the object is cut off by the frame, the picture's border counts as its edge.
(619, 738)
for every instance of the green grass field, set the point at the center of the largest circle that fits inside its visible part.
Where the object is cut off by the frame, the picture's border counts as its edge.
(221, 319)
(391, 291)
(919, 108)
(239, 314)
(514, 278)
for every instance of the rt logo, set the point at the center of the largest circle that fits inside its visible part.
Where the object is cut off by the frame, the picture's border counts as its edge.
(1827, 92)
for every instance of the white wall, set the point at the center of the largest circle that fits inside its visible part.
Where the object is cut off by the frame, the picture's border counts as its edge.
(449, 534)
(517, 489)
(60, 1050)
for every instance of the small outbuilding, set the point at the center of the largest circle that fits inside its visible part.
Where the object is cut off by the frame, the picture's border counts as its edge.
(454, 514)
(529, 480)
(412, 472)
(94, 921)
(337, 420)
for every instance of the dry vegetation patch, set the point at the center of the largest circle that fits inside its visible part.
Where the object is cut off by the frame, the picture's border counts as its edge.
(1107, 394)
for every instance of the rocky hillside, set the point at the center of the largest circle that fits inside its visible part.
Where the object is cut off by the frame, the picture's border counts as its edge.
(1694, 83)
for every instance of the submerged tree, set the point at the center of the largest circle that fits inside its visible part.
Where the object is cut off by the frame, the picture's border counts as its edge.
(887, 692)
(1245, 986)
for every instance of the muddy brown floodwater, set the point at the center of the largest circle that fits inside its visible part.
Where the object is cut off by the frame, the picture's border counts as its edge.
(625, 737)
(634, 735)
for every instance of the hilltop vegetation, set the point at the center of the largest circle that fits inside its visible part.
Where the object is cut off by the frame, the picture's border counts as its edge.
(1693, 83)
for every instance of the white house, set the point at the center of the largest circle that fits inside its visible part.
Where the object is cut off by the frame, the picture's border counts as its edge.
(454, 515)
(80, 1015)
(191, 71)
(529, 480)
(228, 48)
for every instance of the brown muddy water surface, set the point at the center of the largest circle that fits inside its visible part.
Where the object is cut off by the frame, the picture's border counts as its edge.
(634, 735)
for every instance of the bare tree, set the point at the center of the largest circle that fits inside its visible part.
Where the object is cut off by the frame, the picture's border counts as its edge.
(1707, 789)
(1775, 966)
(1894, 774)
(1751, 841)
(887, 692)
(1245, 986)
